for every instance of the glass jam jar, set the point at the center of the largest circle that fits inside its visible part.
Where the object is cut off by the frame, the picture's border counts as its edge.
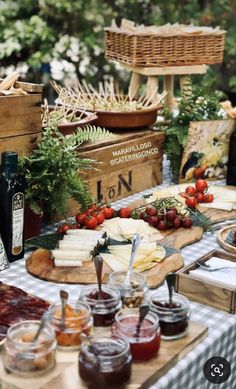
(105, 307)
(77, 321)
(105, 363)
(132, 295)
(144, 346)
(27, 358)
(173, 319)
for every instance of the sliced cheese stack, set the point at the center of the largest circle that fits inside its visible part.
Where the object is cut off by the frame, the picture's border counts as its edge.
(76, 247)
(146, 257)
(124, 229)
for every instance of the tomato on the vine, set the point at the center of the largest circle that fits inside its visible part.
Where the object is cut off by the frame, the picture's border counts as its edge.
(201, 185)
(125, 212)
(191, 202)
(99, 217)
(108, 212)
(63, 228)
(208, 198)
(190, 190)
(80, 218)
(91, 222)
(200, 197)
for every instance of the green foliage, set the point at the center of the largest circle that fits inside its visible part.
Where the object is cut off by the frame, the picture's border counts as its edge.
(200, 105)
(52, 170)
(36, 32)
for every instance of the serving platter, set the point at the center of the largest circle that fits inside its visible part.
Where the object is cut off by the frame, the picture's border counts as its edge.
(40, 265)
(222, 236)
(144, 374)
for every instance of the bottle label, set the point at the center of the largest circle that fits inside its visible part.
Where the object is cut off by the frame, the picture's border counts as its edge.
(17, 223)
(4, 264)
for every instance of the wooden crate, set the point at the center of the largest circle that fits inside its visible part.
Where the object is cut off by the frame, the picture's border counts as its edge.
(115, 179)
(20, 122)
(128, 163)
(206, 292)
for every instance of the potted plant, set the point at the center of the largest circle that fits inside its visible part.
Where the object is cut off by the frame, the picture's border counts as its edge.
(52, 171)
(194, 106)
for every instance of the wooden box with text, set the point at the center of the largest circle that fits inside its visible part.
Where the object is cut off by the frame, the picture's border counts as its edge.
(129, 162)
(207, 292)
(20, 122)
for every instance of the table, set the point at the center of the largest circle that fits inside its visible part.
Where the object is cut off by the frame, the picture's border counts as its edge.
(188, 373)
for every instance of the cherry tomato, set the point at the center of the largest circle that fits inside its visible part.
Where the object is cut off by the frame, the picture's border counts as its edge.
(200, 197)
(108, 212)
(199, 172)
(191, 202)
(80, 218)
(201, 185)
(187, 222)
(100, 217)
(152, 211)
(125, 212)
(76, 226)
(190, 190)
(183, 194)
(208, 198)
(91, 222)
(63, 228)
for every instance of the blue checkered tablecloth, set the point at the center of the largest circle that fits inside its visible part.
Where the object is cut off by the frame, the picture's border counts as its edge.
(188, 372)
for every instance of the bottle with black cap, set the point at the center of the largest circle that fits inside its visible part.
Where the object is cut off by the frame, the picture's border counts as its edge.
(11, 207)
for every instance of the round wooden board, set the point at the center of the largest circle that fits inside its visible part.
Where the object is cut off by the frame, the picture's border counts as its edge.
(222, 235)
(40, 265)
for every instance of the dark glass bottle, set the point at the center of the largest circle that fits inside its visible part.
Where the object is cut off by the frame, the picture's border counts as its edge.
(231, 171)
(11, 207)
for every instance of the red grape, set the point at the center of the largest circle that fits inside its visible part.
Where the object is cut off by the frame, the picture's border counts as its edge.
(187, 222)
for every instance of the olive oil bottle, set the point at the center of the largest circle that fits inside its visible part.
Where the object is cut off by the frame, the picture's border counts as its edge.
(11, 207)
(231, 171)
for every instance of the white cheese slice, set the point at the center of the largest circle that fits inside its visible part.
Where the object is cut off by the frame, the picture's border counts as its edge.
(68, 255)
(70, 263)
(90, 234)
(76, 245)
(84, 240)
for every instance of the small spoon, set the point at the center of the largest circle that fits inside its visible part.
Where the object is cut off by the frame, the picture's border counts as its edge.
(135, 244)
(143, 310)
(170, 279)
(98, 262)
(64, 297)
(46, 318)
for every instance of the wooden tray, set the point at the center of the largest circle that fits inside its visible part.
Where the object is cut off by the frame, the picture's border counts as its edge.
(40, 265)
(207, 292)
(222, 235)
(65, 375)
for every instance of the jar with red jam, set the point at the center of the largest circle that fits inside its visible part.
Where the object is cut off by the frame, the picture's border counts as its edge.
(134, 294)
(173, 317)
(104, 306)
(105, 363)
(143, 345)
(76, 322)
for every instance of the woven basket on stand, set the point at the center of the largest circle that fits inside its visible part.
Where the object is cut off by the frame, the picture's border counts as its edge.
(148, 49)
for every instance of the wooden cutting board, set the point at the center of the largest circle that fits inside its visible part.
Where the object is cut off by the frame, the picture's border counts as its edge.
(144, 374)
(222, 235)
(40, 265)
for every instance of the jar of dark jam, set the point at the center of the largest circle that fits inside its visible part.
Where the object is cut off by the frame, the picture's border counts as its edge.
(173, 319)
(105, 363)
(132, 295)
(146, 344)
(105, 306)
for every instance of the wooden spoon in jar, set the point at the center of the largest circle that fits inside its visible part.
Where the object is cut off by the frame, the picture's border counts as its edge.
(143, 311)
(98, 262)
(64, 297)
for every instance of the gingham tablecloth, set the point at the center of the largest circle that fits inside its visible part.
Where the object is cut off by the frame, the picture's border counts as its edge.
(188, 373)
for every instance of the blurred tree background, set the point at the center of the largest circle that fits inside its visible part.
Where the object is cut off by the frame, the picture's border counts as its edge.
(64, 39)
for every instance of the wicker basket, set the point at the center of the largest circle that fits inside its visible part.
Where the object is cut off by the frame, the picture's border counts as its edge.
(147, 50)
